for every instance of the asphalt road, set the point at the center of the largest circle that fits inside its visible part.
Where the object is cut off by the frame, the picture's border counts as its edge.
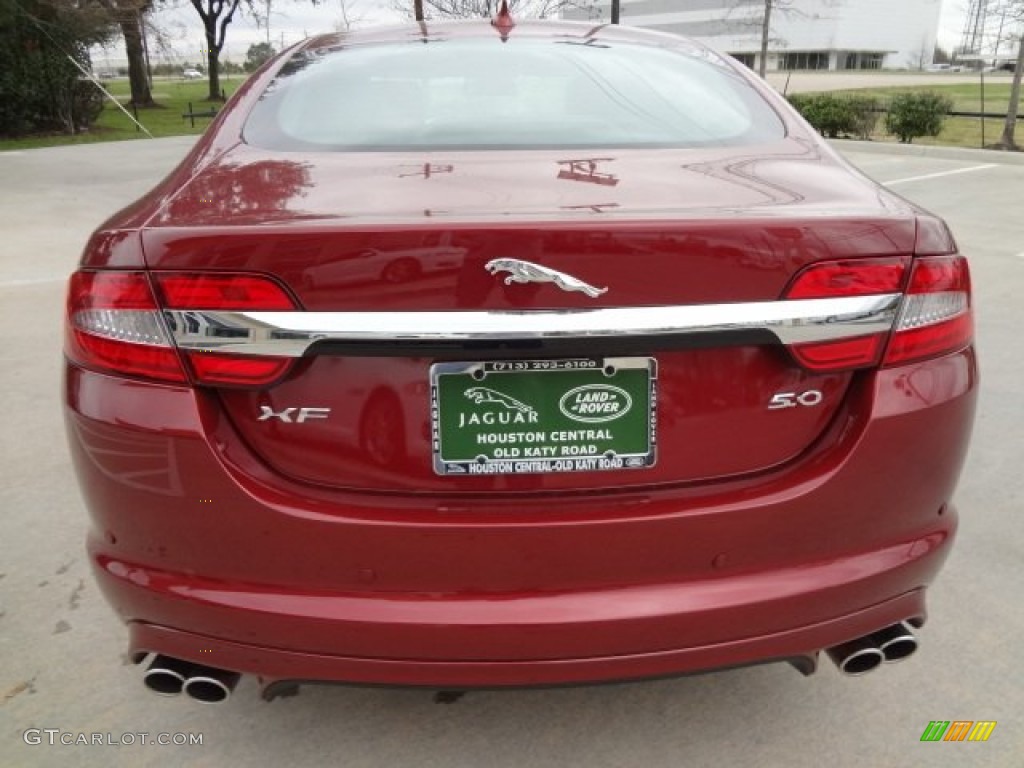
(61, 663)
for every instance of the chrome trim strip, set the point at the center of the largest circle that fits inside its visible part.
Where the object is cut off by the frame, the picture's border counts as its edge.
(290, 334)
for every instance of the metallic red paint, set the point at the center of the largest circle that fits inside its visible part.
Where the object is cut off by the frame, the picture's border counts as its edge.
(340, 556)
(378, 436)
(192, 535)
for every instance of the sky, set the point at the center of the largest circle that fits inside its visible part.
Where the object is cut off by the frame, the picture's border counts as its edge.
(292, 20)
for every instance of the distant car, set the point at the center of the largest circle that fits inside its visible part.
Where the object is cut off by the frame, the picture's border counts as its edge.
(192, 74)
(481, 354)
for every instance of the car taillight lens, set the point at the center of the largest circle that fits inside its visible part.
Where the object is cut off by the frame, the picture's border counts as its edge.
(246, 293)
(935, 318)
(862, 277)
(842, 279)
(227, 292)
(115, 324)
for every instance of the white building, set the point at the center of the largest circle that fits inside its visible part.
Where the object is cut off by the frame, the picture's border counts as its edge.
(805, 34)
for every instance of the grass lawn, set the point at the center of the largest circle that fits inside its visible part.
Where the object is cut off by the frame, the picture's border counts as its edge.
(957, 131)
(172, 95)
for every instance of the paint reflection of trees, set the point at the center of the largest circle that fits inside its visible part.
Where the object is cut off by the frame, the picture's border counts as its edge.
(240, 192)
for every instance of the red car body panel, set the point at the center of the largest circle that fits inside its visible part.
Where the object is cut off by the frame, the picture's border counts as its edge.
(324, 574)
(340, 555)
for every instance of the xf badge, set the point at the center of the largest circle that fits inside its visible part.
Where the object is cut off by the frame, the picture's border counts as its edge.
(293, 415)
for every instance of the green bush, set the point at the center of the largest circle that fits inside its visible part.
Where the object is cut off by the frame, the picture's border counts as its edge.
(865, 112)
(917, 114)
(835, 116)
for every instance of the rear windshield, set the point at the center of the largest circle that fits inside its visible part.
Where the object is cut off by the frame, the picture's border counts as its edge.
(526, 93)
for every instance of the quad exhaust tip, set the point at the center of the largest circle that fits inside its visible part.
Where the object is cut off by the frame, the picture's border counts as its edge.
(864, 654)
(212, 685)
(165, 676)
(896, 642)
(168, 676)
(857, 657)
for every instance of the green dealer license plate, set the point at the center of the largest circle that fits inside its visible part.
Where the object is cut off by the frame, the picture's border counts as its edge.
(531, 416)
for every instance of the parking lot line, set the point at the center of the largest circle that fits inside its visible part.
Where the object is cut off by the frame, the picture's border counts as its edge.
(939, 175)
(32, 281)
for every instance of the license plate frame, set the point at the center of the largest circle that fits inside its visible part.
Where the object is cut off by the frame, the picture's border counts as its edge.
(512, 417)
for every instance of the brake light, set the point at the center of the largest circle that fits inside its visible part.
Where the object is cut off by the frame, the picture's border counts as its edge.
(838, 279)
(237, 370)
(935, 318)
(233, 292)
(113, 324)
(250, 293)
(862, 277)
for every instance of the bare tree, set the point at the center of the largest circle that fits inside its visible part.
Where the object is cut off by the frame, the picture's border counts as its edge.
(350, 17)
(129, 16)
(924, 55)
(216, 16)
(1014, 10)
(1008, 140)
(766, 30)
(763, 18)
(477, 9)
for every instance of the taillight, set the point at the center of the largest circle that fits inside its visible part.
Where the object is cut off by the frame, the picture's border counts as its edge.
(935, 318)
(842, 279)
(247, 293)
(227, 292)
(114, 324)
(861, 277)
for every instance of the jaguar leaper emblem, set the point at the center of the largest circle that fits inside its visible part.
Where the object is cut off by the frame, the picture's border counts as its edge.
(528, 272)
(480, 395)
(515, 411)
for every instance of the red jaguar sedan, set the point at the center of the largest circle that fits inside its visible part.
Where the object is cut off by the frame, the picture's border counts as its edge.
(644, 379)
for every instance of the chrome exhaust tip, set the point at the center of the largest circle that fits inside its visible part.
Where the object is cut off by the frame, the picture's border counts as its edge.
(166, 676)
(896, 642)
(857, 657)
(211, 685)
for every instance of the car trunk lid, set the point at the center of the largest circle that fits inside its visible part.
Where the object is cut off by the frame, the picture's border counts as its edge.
(374, 411)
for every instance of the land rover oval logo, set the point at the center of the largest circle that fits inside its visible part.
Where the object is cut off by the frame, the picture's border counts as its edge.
(594, 403)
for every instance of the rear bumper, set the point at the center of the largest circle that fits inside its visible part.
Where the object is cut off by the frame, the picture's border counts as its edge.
(276, 666)
(211, 558)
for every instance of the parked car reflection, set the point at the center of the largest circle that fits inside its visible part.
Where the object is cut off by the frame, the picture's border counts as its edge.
(391, 266)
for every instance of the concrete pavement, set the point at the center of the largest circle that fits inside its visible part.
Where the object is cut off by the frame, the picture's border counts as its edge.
(60, 645)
